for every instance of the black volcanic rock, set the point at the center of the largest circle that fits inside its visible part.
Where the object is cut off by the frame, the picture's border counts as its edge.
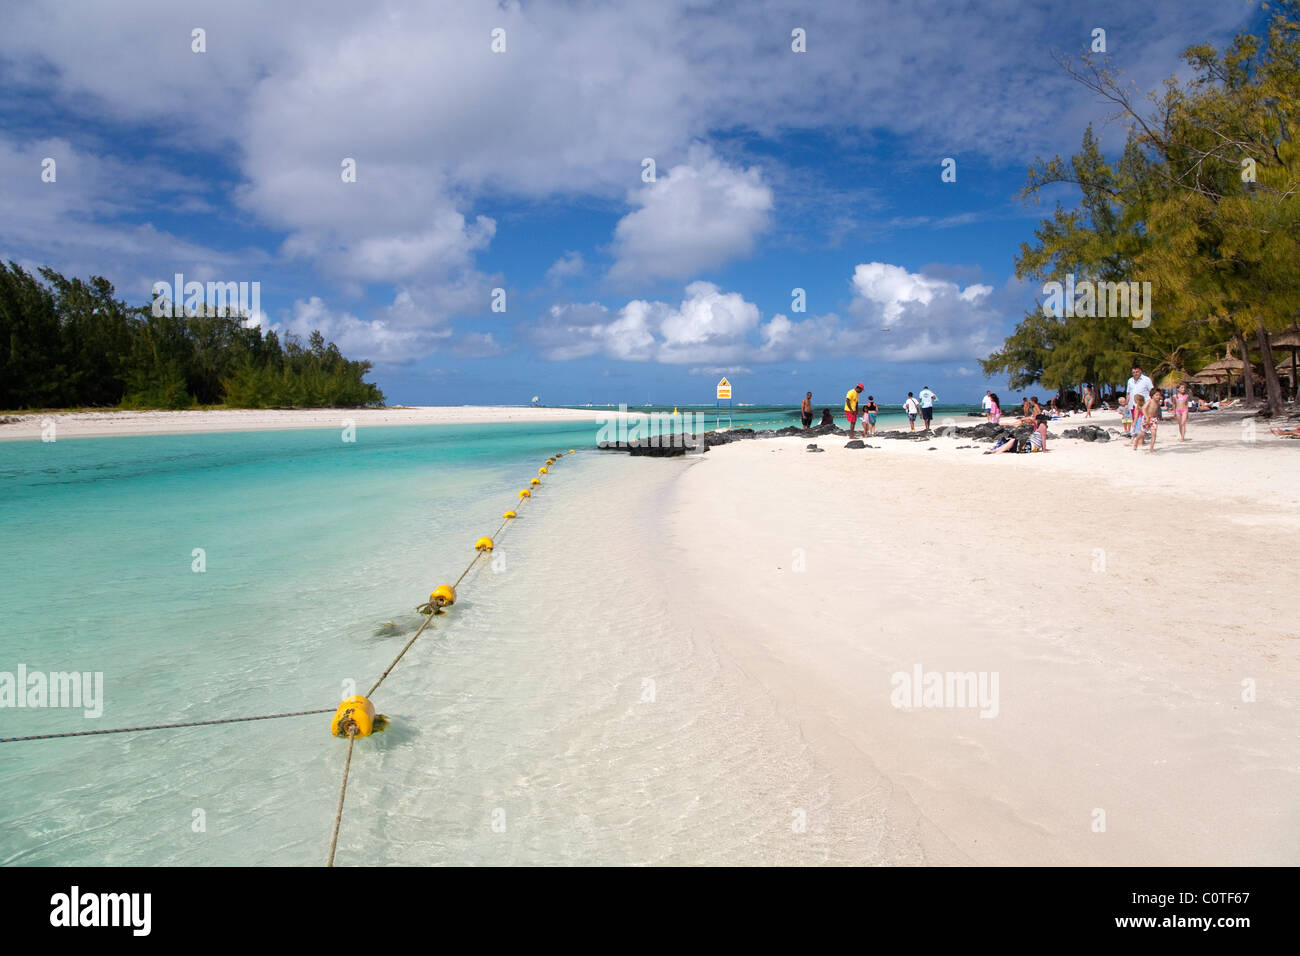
(856, 443)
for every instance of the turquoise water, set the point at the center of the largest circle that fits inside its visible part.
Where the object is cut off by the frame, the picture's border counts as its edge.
(310, 544)
(568, 710)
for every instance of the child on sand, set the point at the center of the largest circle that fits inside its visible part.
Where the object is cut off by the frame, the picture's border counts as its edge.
(1148, 420)
(1181, 399)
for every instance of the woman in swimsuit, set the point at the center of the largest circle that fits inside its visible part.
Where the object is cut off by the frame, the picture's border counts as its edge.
(1181, 399)
(1087, 401)
(871, 408)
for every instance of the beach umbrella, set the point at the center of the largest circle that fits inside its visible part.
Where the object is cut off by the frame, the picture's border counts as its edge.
(1229, 366)
(1208, 377)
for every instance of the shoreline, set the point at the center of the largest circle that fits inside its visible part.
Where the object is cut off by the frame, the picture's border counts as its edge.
(111, 424)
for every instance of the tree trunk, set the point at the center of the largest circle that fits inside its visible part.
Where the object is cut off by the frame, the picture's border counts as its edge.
(1272, 387)
(1247, 377)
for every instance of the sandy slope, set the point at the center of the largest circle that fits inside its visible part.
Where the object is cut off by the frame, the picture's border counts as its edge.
(1122, 598)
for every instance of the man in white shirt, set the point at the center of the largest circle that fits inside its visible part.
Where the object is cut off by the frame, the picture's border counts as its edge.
(912, 408)
(928, 398)
(988, 404)
(1137, 392)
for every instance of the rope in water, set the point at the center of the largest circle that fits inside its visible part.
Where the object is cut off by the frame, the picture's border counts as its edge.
(343, 790)
(188, 723)
(433, 612)
(429, 618)
(349, 725)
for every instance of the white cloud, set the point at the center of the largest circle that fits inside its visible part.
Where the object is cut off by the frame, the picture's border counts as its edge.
(927, 318)
(568, 265)
(721, 370)
(68, 223)
(699, 215)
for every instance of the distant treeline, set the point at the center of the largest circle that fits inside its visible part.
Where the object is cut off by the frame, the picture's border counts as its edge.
(68, 343)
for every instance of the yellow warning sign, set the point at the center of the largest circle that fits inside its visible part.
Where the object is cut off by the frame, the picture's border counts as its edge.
(724, 389)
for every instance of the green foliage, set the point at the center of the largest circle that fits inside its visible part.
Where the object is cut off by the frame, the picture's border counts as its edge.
(1181, 210)
(65, 343)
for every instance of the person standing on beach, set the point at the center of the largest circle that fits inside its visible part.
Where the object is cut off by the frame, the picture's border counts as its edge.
(1182, 401)
(871, 409)
(1088, 399)
(806, 410)
(851, 405)
(1150, 421)
(988, 406)
(928, 398)
(995, 409)
(1137, 392)
(913, 409)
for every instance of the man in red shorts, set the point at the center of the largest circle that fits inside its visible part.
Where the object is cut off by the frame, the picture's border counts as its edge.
(851, 405)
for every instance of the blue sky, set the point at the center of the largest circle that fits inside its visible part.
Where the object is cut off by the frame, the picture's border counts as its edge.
(522, 170)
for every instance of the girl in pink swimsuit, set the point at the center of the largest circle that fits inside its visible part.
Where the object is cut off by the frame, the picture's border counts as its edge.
(1181, 398)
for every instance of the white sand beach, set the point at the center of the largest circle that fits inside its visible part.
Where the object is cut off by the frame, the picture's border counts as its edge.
(1137, 610)
(107, 424)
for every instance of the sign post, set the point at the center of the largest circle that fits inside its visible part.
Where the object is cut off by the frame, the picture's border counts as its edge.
(724, 395)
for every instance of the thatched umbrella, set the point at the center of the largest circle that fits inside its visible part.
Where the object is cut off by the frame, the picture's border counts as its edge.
(1229, 366)
(1290, 339)
(1208, 377)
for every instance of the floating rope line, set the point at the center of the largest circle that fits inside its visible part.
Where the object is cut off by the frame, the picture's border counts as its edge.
(345, 718)
(343, 790)
(188, 723)
(355, 717)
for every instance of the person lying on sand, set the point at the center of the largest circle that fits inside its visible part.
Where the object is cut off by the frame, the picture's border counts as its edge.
(1286, 432)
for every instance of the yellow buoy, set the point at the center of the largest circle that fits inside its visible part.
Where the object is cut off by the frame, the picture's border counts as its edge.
(572, 452)
(483, 544)
(510, 514)
(542, 470)
(525, 493)
(356, 718)
(536, 481)
(550, 461)
(444, 595)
